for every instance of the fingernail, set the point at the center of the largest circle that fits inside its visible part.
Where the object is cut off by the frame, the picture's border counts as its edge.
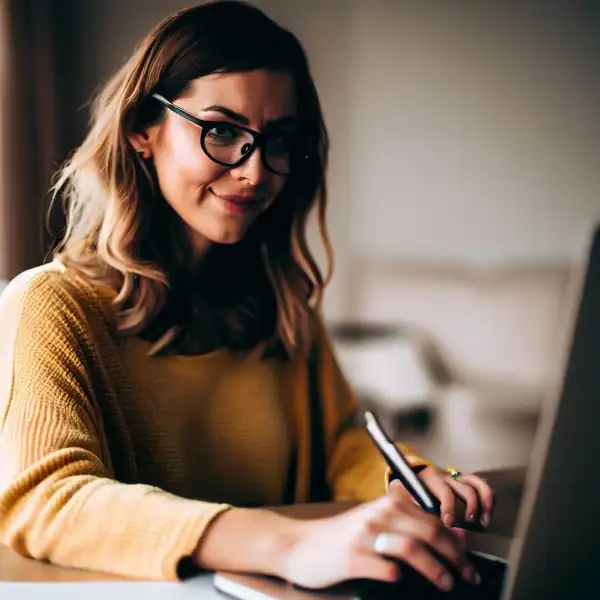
(471, 517)
(471, 575)
(448, 520)
(485, 519)
(446, 582)
(468, 573)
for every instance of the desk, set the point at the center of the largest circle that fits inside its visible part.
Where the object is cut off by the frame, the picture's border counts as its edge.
(507, 485)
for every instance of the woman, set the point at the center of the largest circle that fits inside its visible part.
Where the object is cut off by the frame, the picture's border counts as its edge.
(158, 372)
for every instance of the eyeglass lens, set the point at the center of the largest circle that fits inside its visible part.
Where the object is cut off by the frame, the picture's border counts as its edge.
(228, 144)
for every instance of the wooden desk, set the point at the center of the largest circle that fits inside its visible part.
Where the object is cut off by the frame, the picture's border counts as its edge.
(507, 485)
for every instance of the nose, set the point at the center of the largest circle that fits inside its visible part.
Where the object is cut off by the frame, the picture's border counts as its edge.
(252, 170)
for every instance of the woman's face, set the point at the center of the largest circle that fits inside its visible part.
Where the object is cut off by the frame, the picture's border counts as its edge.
(218, 203)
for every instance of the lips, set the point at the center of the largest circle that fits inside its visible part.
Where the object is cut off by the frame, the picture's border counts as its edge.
(240, 199)
(239, 203)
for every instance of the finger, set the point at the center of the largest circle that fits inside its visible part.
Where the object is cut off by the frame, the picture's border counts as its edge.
(398, 494)
(408, 519)
(463, 490)
(486, 496)
(417, 555)
(461, 537)
(369, 566)
(413, 523)
(397, 490)
(443, 492)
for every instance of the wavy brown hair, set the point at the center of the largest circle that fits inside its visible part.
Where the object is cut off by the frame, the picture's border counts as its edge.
(256, 295)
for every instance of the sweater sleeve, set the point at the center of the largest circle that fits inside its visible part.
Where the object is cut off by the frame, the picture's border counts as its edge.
(356, 470)
(59, 499)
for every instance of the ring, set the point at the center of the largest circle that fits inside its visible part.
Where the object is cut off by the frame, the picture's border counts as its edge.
(380, 543)
(385, 543)
(453, 473)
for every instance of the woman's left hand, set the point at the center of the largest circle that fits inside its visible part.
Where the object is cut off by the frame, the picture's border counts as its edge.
(473, 490)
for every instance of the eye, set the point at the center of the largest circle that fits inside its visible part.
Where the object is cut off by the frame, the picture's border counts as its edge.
(223, 133)
(280, 142)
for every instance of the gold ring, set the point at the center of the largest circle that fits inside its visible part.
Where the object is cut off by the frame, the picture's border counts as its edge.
(453, 473)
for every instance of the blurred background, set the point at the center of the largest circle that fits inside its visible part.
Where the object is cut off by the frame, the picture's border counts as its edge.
(464, 184)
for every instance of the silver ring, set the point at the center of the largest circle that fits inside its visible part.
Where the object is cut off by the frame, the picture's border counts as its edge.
(385, 543)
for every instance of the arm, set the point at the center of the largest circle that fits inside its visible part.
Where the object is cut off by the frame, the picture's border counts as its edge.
(59, 499)
(356, 471)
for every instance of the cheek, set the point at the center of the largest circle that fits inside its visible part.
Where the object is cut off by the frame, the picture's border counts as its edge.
(276, 185)
(183, 170)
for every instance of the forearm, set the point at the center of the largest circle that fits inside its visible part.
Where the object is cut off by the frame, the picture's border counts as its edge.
(75, 518)
(248, 540)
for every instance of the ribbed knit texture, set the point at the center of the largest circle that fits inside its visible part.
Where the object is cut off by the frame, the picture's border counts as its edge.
(116, 461)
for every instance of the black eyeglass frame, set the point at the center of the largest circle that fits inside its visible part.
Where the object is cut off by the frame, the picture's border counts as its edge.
(258, 137)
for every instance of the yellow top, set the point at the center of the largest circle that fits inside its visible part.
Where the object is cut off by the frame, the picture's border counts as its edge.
(117, 461)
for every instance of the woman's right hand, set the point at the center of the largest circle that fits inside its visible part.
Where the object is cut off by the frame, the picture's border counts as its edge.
(359, 543)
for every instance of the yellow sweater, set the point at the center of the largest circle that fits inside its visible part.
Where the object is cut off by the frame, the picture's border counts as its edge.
(116, 461)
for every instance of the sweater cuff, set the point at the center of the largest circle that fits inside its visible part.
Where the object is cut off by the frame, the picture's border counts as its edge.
(414, 460)
(188, 533)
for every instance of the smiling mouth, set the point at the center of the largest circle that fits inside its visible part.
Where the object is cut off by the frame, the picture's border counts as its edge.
(239, 204)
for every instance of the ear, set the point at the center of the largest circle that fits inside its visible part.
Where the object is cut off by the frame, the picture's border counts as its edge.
(141, 142)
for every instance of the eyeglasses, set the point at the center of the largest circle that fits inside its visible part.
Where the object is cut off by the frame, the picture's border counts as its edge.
(230, 145)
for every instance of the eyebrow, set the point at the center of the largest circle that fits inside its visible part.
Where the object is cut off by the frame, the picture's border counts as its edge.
(243, 118)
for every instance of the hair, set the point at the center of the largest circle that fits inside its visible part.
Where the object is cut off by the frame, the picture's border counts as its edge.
(121, 232)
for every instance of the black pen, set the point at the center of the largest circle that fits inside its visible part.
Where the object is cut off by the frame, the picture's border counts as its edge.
(400, 467)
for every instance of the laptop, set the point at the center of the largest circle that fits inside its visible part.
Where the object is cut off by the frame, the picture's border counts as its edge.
(555, 552)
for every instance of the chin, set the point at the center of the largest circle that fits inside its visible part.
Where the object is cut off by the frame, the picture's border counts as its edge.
(228, 240)
(228, 235)
(225, 231)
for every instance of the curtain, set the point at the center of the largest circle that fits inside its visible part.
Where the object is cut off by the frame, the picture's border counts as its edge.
(36, 83)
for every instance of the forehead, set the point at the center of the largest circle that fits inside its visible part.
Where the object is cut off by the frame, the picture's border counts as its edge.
(260, 95)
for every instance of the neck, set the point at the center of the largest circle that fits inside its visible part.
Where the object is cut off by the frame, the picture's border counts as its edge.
(200, 247)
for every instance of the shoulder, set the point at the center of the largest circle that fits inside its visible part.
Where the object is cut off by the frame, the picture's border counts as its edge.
(38, 287)
(49, 295)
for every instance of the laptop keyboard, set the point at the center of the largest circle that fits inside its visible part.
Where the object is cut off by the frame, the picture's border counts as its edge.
(414, 585)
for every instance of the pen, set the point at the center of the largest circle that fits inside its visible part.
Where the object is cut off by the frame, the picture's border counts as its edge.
(400, 467)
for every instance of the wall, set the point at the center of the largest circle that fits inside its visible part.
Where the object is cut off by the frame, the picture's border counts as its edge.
(482, 130)
(460, 131)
